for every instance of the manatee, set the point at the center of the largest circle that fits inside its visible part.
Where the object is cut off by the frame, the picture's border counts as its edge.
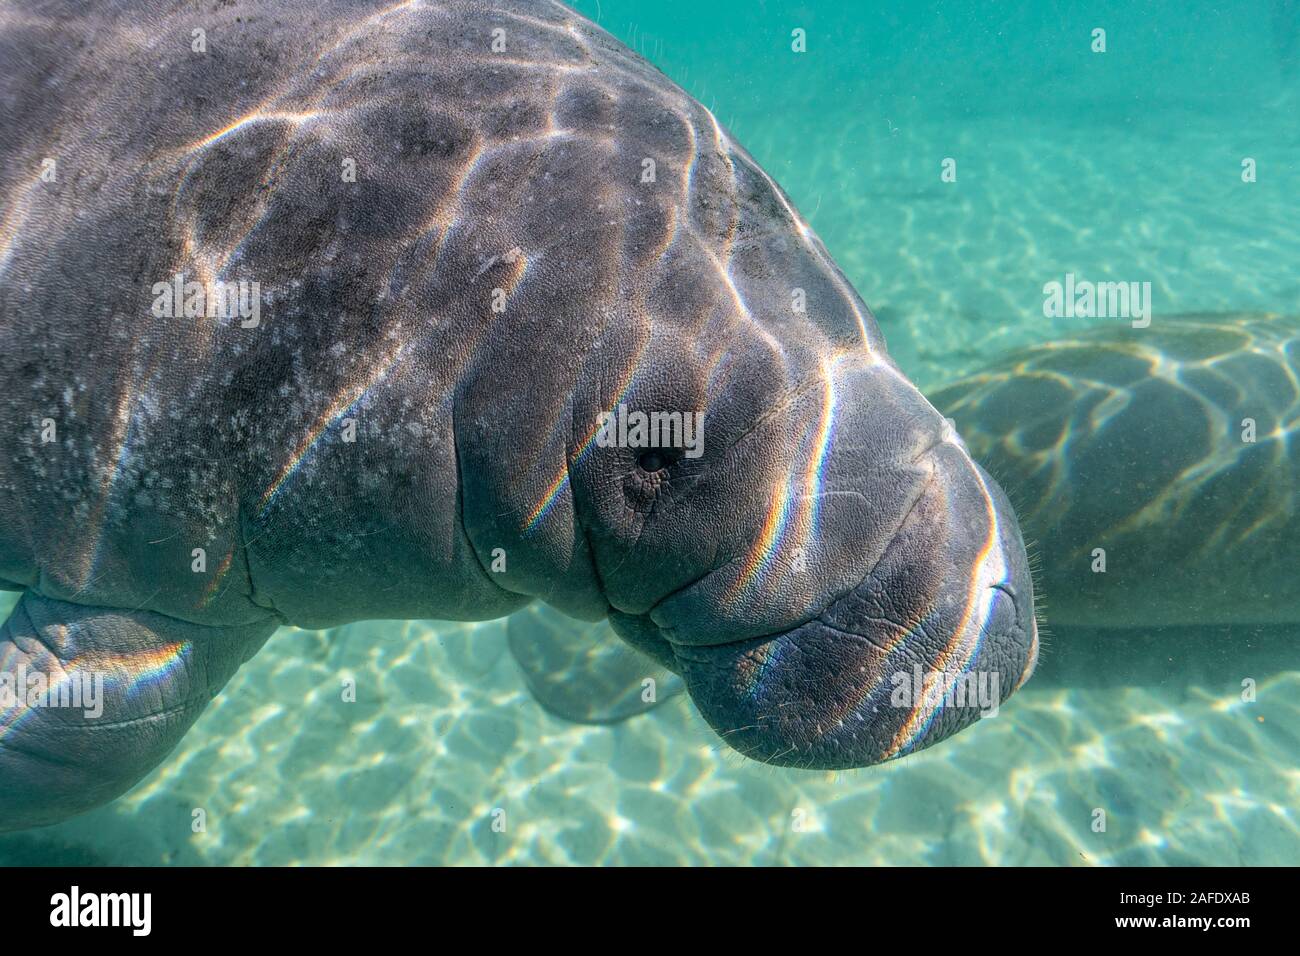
(313, 312)
(1154, 470)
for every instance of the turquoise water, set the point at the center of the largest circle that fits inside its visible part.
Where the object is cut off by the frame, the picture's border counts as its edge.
(1122, 165)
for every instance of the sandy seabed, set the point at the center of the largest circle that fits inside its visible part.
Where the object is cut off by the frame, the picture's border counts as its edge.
(443, 737)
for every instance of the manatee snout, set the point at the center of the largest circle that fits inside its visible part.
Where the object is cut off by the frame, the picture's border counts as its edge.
(935, 634)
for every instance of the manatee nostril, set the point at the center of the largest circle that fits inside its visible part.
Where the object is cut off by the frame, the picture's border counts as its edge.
(1029, 624)
(1006, 589)
(1010, 591)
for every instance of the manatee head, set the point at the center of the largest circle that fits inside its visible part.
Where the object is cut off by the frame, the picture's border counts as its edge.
(835, 579)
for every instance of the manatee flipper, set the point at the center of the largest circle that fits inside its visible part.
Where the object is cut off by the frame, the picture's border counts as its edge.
(582, 671)
(154, 675)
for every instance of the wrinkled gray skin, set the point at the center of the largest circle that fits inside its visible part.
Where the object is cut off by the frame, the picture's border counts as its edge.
(834, 531)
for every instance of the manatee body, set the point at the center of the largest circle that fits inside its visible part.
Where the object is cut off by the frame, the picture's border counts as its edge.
(1169, 453)
(474, 229)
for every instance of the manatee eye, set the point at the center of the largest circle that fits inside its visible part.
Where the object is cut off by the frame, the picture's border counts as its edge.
(657, 459)
(650, 460)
